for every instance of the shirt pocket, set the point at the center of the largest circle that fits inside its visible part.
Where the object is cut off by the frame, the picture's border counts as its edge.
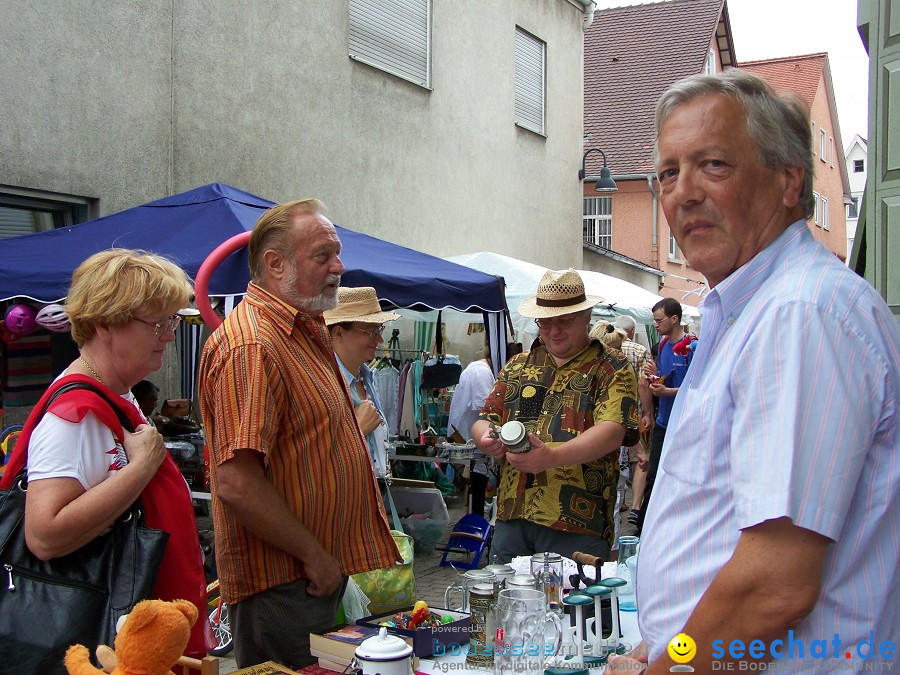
(688, 450)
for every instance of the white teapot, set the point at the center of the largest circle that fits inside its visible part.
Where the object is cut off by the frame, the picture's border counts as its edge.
(385, 654)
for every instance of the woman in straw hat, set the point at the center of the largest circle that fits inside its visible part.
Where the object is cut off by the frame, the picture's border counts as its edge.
(578, 400)
(356, 326)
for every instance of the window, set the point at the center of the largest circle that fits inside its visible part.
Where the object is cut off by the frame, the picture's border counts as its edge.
(24, 211)
(859, 166)
(817, 207)
(674, 253)
(597, 221)
(853, 208)
(823, 149)
(710, 68)
(831, 150)
(530, 56)
(814, 137)
(393, 36)
(825, 224)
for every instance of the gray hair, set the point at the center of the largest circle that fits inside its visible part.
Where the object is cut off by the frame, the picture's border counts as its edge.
(626, 323)
(778, 125)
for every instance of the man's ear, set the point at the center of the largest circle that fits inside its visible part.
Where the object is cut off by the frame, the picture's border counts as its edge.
(274, 264)
(793, 185)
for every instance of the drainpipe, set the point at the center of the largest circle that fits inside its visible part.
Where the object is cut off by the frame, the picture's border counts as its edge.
(589, 7)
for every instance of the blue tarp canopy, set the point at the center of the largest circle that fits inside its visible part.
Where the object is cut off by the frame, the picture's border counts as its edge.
(188, 226)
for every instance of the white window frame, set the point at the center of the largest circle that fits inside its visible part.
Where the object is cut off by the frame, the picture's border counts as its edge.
(530, 81)
(393, 36)
(831, 149)
(859, 166)
(825, 224)
(823, 149)
(674, 251)
(853, 208)
(597, 221)
(816, 210)
(710, 66)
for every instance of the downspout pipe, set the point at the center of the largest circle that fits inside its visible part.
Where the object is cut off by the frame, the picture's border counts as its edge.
(649, 178)
(589, 7)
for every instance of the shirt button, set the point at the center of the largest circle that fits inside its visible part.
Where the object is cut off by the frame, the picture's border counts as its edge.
(730, 320)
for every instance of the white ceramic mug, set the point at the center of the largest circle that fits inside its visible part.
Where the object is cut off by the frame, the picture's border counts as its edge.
(521, 647)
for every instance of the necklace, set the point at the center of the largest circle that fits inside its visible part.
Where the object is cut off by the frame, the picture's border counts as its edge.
(93, 372)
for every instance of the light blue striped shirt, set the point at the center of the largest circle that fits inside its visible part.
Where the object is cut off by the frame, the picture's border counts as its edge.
(789, 409)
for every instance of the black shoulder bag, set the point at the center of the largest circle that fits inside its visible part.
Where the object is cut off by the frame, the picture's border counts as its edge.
(46, 606)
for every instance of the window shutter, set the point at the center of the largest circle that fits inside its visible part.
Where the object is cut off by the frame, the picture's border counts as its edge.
(392, 35)
(529, 81)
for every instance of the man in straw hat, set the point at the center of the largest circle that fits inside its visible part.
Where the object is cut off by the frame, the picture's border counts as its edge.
(356, 326)
(296, 507)
(578, 401)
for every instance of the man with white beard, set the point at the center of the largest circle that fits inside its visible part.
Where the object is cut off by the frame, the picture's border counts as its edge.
(296, 508)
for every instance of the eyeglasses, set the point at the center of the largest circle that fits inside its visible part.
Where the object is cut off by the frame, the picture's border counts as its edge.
(665, 318)
(163, 326)
(563, 322)
(373, 333)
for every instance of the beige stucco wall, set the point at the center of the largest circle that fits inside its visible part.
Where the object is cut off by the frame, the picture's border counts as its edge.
(131, 101)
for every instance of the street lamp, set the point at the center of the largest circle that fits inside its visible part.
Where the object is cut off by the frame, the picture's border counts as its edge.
(606, 183)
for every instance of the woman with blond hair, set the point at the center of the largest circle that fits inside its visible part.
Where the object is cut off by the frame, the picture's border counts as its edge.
(84, 469)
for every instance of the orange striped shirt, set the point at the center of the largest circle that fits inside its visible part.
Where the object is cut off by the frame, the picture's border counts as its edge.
(270, 382)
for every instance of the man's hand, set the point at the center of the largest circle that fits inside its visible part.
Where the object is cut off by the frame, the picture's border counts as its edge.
(539, 458)
(367, 416)
(660, 390)
(634, 661)
(323, 572)
(490, 445)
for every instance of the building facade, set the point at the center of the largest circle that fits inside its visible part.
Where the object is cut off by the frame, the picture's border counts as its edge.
(445, 127)
(856, 159)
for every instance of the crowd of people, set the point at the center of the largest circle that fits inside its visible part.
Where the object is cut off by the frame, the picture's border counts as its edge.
(762, 456)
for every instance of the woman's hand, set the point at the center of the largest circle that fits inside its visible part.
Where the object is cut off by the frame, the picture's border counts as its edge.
(367, 416)
(145, 448)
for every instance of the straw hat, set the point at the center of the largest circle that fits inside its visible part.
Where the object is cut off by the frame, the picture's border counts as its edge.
(357, 304)
(558, 293)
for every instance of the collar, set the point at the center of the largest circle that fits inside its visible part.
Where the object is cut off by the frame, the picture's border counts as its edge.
(735, 291)
(281, 313)
(365, 373)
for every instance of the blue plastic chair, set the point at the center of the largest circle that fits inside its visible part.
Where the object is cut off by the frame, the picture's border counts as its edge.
(470, 536)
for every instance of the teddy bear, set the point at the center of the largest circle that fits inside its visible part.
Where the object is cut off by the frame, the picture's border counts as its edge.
(149, 642)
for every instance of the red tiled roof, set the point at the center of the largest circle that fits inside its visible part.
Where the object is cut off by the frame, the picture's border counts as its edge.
(800, 74)
(631, 56)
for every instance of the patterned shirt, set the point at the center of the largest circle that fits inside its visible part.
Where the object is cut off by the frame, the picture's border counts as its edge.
(789, 409)
(556, 404)
(270, 383)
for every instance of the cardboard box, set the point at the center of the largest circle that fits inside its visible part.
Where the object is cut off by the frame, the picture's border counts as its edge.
(427, 641)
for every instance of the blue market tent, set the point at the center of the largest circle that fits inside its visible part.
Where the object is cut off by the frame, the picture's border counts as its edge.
(188, 226)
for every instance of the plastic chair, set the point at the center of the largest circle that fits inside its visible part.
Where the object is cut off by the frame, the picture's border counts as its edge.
(470, 536)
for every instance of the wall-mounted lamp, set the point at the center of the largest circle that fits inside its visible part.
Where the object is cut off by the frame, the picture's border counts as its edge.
(606, 183)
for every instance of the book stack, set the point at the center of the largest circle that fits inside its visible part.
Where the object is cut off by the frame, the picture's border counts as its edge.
(335, 648)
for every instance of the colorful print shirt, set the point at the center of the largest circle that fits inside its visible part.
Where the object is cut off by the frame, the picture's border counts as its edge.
(556, 404)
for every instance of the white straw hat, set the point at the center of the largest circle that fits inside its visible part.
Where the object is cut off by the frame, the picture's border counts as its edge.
(560, 292)
(357, 304)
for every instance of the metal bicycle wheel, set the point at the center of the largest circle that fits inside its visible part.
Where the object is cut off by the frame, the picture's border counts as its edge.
(221, 628)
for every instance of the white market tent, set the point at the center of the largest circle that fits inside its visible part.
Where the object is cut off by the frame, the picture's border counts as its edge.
(522, 278)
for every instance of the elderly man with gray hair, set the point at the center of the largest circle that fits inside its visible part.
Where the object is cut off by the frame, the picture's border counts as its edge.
(772, 531)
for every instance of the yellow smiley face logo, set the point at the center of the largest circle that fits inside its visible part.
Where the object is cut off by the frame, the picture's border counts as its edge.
(682, 648)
